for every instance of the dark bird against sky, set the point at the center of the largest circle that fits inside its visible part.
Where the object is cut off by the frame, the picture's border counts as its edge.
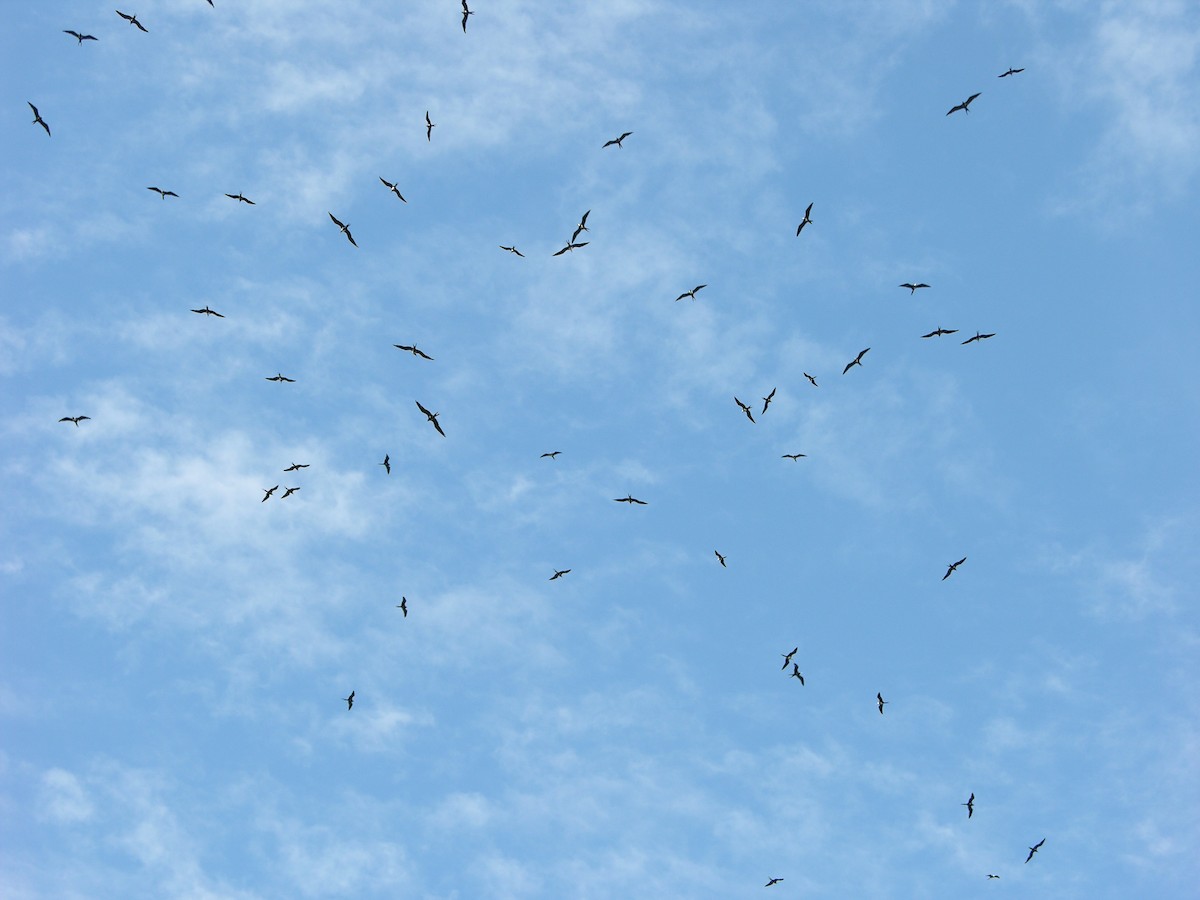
(617, 141)
(559, 573)
(581, 227)
(267, 492)
(552, 454)
(240, 199)
(857, 361)
(1034, 849)
(37, 119)
(963, 106)
(281, 378)
(970, 805)
(161, 193)
(794, 456)
(466, 13)
(79, 37)
(912, 288)
(429, 126)
(349, 701)
(745, 409)
(296, 466)
(1011, 71)
(807, 220)
(513, 250)
(345, 229)
(629, 498)
(392, 187)
(205, 311)
(75, 420)
(403, 606)
(413, 350)
(787, 657)
(979, 337)
(952, 566)
(720, 559)
(132, 20)
(811, 379)
(939, 331)
(691, 293)
(432, 417)
(881, 702)
(387, 463)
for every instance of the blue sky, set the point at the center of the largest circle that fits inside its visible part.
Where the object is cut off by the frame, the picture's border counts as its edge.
(175, 650)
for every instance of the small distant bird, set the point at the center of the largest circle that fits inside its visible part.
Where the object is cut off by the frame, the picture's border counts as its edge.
(349, 701)
(403, 606)
(413, 350)
(767, 400)
(963, 106)
(807, 220)
(294, 466)
(278, 377)
(559, 573)
(1034, 849)
(432, 417)
(581, 227)
(132, 20)
(787, 657)
(571, 246)
(161, 193)
(720, 559)
(287, 492)
(1011, 71)
(811, 379)
(857, 361)
(745, 409)
(466, 12)
(794, 456)
(952, 566)
(267, 492)
(912, 288)
(345, 229)
(979, 337)
(879, 697)
(691, 293)
(75, 420)
(387, 463)
(239, 198)
(773, 881)
(617, 141)
(37, 119)
(86, 37)
(429, 126)
(970, 805)
(796, 673)
(513, 250)
(391, 187)
(630, 499)
(939, 331)
(205, 311)
(551, 454)
(995, 876)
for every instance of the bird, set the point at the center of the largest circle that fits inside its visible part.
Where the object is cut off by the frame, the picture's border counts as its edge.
(745, 408)
(1034, 849)
(787, 657)
(278, 377)
(796, 673)
(75, 420)
(813, 380)
(132, 20)
(629, 498)
(79, 37)
(952, 566)
(37, 119)
(857, 361)
(807, 220)
(161, 193)
(691, 293)
(963, 106)
(970, 805)
(466, 12)
(793, 456)
(345, 229)
(767, 400)
(391, 187)
(413, 350)
(513, 250)
(432, 417)
(403, 606)
(581, 227)
(879, 697)
(349, 701)
(287, 492)
(939, 331)
(1011, 71)
(205, 311)
(295, 466)
(720, 559)
(994, 876)
(552, 454)
(267, 492)
(387, 463)
(979, 337)
(773, 881)
(617, 141)
(912, 288)
(429, 126)
(571, 246)
(559, 573)
(240, 199)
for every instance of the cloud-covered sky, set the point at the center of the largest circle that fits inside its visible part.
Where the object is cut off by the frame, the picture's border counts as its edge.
(175, 649)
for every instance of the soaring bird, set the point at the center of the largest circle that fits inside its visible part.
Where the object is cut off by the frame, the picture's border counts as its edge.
(963, 106)
(745, 408)
(571, 246)
(75, 420)
(691, 293)
(432, 417)
(813, 380)
(979, 337)
(773, 881)
(205, 311)
(1034, 849)
(79, 37)
(879, 697)
(581, 227)
(995, 876)
(345, 229)
(387, 463)
(720, 559)
(617, 141)
(287, 492)
(1011, 71)
(767, 400)
(552, 454)
(429, 126)
(413, 350)
(912, 288)
(37, 119)
(970, 805)
(279, 377)
(403, 606)
(295, 466)
(629, 498)
(161, 193)
(793, 456)
(466, 12)
(952, 566)
(513, 250)
(559, 573)
(796, 673)
(787, 657)
(857, 361)
(349, 701)
(267, 492)
(939, 331)
(132, 20)
(807, 220)
(239, 198)
(391, 187)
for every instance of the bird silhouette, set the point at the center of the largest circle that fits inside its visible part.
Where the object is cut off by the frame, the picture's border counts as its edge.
(552, 454)
(559, 573)
(79, 37)
(281, 378)
(970, 805)
(963, 106)
(345, 229)
(429, 126)
(807, 220)
(571, 246)
(691, 293)
(581, 227)
(939, 331)
(403, 606)
(794, 456)
(796, 673)
(205, 311)
(773, 881)
(1034, 849)
(745, 409)
(912, 288)
(295, 466)
(132, 20)
(513, 250)
(995, 876)
(1011, 71)
(617, 141)
(413, 350)
(287, 492)
(857, 361)
(392, 187)
(466, 13)
(787, 657)
(240, 199)
(432, 417)
(37, 119)
(267, 492)
(720, 559)
(767, 400)
(979, 337)
(349, 701)
(387, 463)
(75, 420)
(161, 193)
(882, 702)
(952, 566)
(812, 380)
(630, 499)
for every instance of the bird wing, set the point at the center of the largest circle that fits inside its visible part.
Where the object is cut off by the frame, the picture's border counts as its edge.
(350, 237)
(850, 365)
(562, 251)
(421, 408)
(438, 426)
(335, 221)
(967, 102)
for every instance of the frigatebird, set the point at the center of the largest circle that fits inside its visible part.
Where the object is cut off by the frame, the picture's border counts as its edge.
(551, 454)
(344, 228)
(349, 701)
(432, 417)
(857, 361)
(581, 227)
(466, 12)
(787, 657)
(287, 492)
(963, 106)
(38, 120)
(240, 199)
(796, 673)
(279, 377)
(630, 499)
(773, 881)
(1034, 849)
(617, 141)
(811, 379)
(767, 400)
(807, 220)
(979, 337)
(994, 876)
(205, 311)
(391, 187)
(161, 193)
(513, 250)
(79, 37)
(413, 350)
(387, 463)
(691, 293)
(745, 408)
(75, 420)
(132, 20)
(952, 566)
(1011, 71)
(559, 573)
(267, 492)
(295, 466)
(970, 805)
(720, 559)
(912, 288)
(403, 606)
(571, 246)
(793, 456)
(939, 331)
(879, 697)
(429, 126)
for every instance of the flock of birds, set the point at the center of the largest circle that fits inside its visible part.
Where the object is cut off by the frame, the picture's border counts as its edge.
(571, 244)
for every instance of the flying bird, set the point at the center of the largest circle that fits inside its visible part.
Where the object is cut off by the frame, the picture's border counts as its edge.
(571, 246)
(344, 228)
(630, 499)
(617, 141)
(1034, 849)
(466, 12)
(559, 573)
(745, 408)
(720, 559)
(939, 331)
(691, 293)
(857, 361)
(391, 187)
(278, 377)
(581, 227)
(75, 420)
(513, 250)
(403, 606)
(287, 492)
(413, 350)
(79, 37)
(132, 20)
(239, 198)
(970, 805)
(1011, 71)
(432, 417)
(879, 697)
(952, 566)
(387, 463)
(979, 337)
(773, 881)
(37, 119)
(161, 193)
(912, 288)
(807, 220)
(796, 673)
(551, 454)
(963, 106)
(767, 400)
(787, 657)
(793, 456)
(429, 126)
(813, 380)
(267, 492)
(295, 466)
(349, 701)
(995, 876)
(205, 311)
